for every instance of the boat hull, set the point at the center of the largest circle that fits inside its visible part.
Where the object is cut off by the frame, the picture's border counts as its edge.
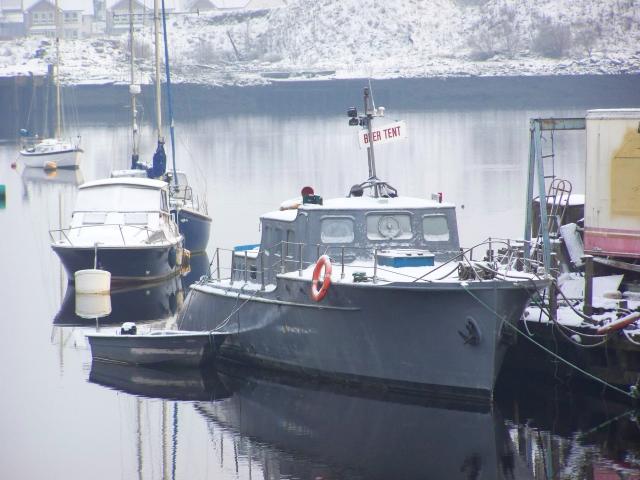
(195, 228)
(62, 159)
(126, 264)
(410, 337)
(183, 350)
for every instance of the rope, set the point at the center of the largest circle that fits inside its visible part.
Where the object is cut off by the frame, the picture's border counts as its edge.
(553, 354)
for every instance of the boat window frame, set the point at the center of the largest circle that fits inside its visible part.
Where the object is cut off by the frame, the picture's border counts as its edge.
(340, 216)
(164, 201)
(390, 213)
(436, 215)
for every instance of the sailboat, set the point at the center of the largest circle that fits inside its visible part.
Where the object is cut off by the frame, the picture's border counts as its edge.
(190, 213)
(56, 152)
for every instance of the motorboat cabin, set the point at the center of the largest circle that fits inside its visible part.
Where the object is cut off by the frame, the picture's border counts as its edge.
(123, 225)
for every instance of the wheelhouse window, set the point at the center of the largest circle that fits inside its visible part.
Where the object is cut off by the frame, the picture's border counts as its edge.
(135, 218)
(336, 230)
(388, 226)
(94, 218)
(435, 228)
(120, 198)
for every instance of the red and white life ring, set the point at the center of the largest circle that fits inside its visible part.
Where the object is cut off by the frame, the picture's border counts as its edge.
(319, 294)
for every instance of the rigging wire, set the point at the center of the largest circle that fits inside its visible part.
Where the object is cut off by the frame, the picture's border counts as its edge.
(630, 394)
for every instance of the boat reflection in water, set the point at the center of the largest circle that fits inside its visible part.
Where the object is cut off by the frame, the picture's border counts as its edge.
(141, 303)
(285, 428)
(318, 432)
(546, 414)
(62, 176)
(169, 384)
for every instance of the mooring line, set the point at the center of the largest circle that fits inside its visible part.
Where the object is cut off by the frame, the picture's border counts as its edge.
(631, 394)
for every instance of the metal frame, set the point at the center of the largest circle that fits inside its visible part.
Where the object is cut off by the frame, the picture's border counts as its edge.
(536, 165)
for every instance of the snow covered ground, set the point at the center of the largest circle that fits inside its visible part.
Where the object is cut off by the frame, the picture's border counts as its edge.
(354, 39)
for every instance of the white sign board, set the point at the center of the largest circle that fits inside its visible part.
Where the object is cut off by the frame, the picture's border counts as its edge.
(390, 132)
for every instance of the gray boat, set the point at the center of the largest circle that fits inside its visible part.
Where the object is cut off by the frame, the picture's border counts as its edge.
(372, 288)
(161, 348)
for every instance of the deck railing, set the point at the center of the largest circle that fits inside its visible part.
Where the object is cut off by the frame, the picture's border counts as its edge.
(486, 260)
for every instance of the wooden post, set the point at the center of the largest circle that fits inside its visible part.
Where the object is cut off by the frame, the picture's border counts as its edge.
(587, 307)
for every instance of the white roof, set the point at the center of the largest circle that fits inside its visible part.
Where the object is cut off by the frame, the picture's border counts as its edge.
(614, 113)
(358, 203)
(85, 6)
(168, 4)
(282, 215)
(11, 5)
(136, 182)
(370, 203)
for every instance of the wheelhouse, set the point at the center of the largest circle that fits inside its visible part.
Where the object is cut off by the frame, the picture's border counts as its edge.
(350, 229)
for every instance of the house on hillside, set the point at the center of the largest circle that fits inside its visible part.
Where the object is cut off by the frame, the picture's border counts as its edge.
(76, 18)
(11, 19)
(117, 13)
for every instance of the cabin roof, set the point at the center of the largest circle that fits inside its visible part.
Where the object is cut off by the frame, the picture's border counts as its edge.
(136, 182)
(359, 203)
(371, 203)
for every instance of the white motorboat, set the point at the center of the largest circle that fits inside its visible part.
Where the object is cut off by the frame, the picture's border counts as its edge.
(124, 226)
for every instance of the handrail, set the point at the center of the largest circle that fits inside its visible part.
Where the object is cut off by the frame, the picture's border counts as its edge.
(142, 228)
(507, 259)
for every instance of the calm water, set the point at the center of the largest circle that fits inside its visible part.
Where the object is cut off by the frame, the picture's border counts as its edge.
(61, 419)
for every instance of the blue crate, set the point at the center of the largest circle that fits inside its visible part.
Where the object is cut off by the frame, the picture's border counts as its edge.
(406, 258)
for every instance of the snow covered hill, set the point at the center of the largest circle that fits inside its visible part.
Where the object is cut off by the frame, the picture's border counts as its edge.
(356, 38)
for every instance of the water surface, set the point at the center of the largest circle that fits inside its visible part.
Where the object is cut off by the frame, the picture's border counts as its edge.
(61, 419)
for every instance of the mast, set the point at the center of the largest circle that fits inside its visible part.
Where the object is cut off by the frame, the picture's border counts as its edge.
(369, 113)
(133, 90)
(377, 186)
(156, 22)
(169, 101)
(56, 75)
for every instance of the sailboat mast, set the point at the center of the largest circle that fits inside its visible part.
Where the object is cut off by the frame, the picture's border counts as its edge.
(156, 21)
(169, 99)
(56, 75)
(133, 89)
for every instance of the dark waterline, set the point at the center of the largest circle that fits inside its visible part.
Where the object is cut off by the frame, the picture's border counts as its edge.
(420, 94)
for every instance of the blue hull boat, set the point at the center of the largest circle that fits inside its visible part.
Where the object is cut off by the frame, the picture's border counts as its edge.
(195, 227)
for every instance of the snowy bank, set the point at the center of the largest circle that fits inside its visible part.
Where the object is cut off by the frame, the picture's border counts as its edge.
(341, 39)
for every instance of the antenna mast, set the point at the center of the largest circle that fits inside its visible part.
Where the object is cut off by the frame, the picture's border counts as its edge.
(379, 188)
